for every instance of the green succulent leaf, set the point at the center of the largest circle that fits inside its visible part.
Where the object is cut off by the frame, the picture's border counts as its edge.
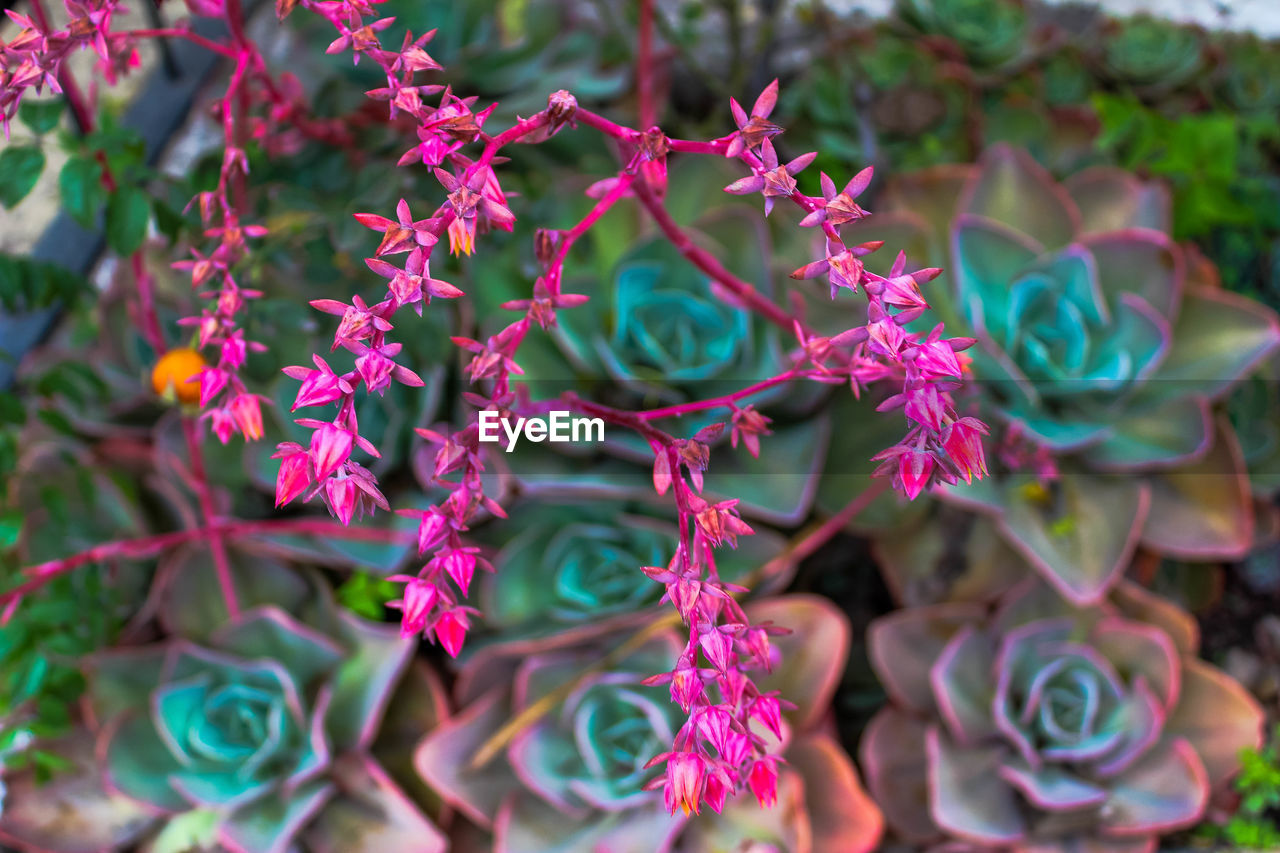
(20, 168)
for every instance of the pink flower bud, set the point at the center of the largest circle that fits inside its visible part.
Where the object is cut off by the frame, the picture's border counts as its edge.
(248, 415)
(763, 781)
(768, 711)
(915, 467)
(341, 492)
(420, 597)
(686, 776)
(716, 646)
(212, 381)
(330, 447)
(460, 565)
(963, 444)
(451, 630)
(293, 478)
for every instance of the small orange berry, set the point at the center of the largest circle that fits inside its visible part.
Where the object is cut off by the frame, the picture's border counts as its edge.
(172, 371)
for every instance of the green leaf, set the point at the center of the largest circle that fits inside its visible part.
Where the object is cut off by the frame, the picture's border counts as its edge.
(192, 830)
(81, 186)
(127, 214)
(10, 527)
(20, 168)
(41, 116)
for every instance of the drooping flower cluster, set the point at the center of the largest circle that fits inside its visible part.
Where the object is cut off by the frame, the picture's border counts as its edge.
(717, 751)
(33, 58)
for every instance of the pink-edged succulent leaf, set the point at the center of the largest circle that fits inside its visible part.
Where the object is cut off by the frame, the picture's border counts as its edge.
(904, 645)
(270, 824)
(1142, 263)
(1082, 541)
(137, 763)
(443, 759)
(810, 660)
(190, 605)
(1012, 188)
(1111, 200)
(1204, 509)
(1217, 339)
(1175, 431)
(1166, 790)
(841, 814)
(370, 814)
(967, 795)
(417, 706)
(892, 755)
(1217, 717)
(962, 687)
(120, 679)
(363, 683)
(73, 812)
(1142, 605)
(268, 632)
(526, 824)
(920, 563)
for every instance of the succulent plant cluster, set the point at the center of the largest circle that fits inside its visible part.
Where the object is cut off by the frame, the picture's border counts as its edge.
(1040, 726)
(179, 674)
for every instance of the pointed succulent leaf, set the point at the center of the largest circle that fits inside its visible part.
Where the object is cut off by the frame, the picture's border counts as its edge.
(812, 657)
(270, 824)
(1202, 510)
(1217, 717)
(903, 646)
(269, 632)
(1013, 189)
(1176, 431)
(529, 825)
(1114, 200)
(370, 814)
(363, 682)
(1218, 338)
(73, 812)
(138, 764)
(967, 794)
(892, 754)
(1165, 791)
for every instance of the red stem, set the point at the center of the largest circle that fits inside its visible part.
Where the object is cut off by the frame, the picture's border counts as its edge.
(206, 43)
(823, 533)
(727, 399)
(147, 546)
(221, 565)
(644, 65)
(147, 304)
(708, 263)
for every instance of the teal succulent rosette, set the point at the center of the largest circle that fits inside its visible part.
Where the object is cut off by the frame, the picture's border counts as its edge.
(574, 567)
(1150, 54)
(990, 33)
(571, 776)
(257, 734)
(1102, 343)
(1043, 727)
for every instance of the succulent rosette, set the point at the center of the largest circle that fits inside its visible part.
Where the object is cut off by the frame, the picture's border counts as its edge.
(1042, 727)
(1250, 81)
(261, 732)
(1150, 54)
(573, 566)
(550, 749)
(1101, 346)
(990, 33)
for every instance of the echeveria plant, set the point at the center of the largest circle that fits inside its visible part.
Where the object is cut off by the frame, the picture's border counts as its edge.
(988, 33)
(1101, 346)
(1042, 727)
(1150, 54)
(551, 750)
(258, 737)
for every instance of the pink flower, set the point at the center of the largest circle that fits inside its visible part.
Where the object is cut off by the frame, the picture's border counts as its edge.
(319, 386)
(341, 495)
(460, 565)
(293, 479)
(686, 779)
(420, 597)
(763, 781)
(451, 629)
(915, 467)
(963, 444)
(248, 415)
(330, 447)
